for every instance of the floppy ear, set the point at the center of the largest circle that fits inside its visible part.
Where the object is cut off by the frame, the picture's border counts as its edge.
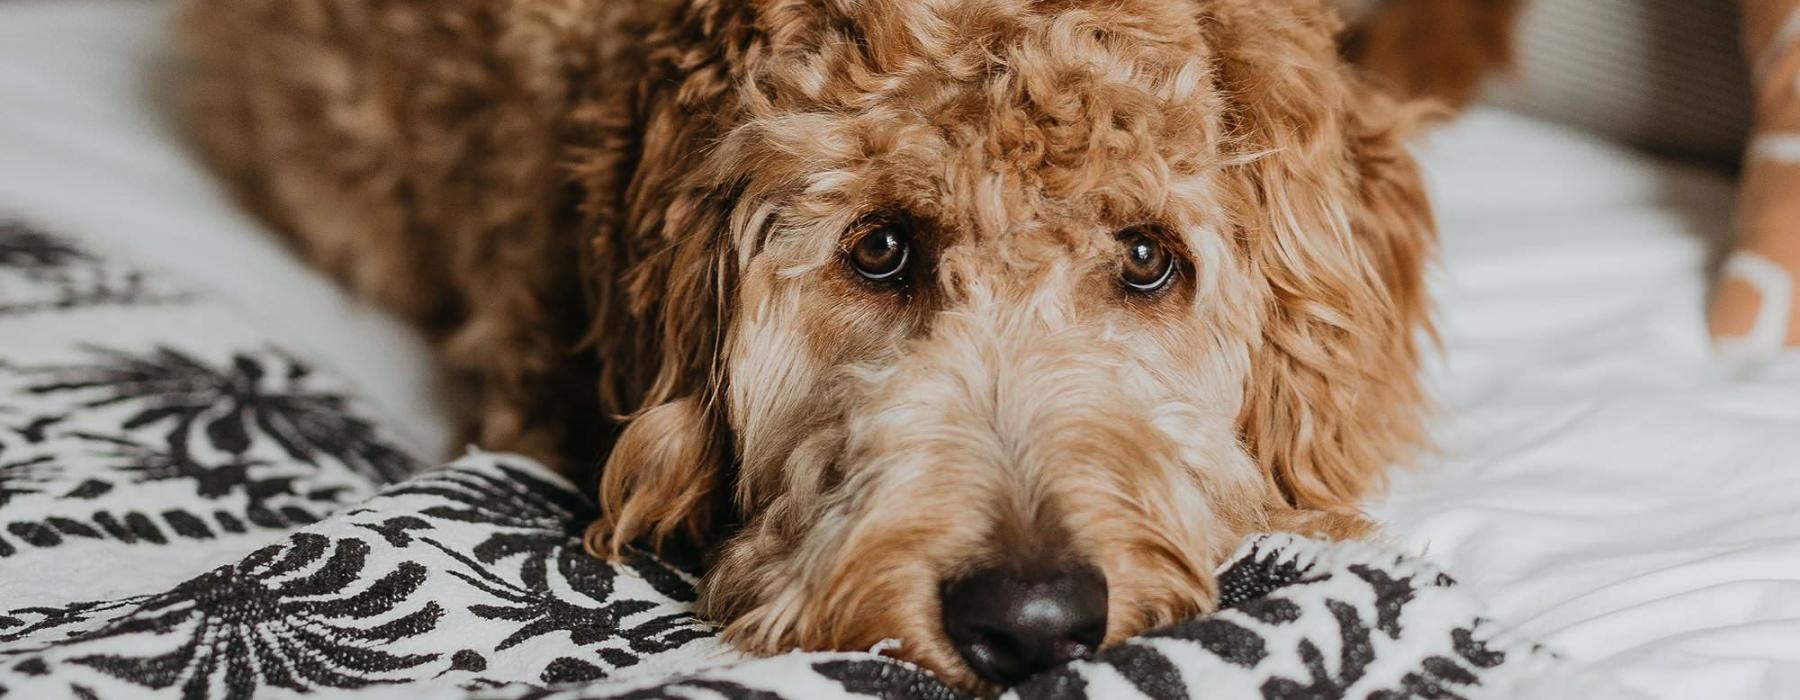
(660, 273)
(1338, 227)
(660, 482)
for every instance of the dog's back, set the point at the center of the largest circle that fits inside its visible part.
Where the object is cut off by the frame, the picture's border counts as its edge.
(413, 148)
(1440, 49)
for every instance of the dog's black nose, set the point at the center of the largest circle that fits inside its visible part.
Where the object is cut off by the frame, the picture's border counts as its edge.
(1009, 625)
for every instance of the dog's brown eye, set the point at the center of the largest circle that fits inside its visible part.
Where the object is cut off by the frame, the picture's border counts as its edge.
(1148, 266)
(881, 254)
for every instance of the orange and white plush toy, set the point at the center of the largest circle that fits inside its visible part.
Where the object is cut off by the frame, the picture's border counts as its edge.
(1755, 311)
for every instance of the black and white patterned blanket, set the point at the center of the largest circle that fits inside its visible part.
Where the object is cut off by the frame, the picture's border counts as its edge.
(188, 512)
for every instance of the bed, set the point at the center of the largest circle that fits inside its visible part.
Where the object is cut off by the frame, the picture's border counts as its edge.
(1604, 482)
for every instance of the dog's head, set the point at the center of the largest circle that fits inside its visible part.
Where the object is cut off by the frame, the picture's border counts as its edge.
(992, 326)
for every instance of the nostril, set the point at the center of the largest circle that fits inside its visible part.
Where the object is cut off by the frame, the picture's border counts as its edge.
(1009, 624)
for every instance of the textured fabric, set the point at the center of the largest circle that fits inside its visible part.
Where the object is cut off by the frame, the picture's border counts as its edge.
(188, 512)
(1667, 75)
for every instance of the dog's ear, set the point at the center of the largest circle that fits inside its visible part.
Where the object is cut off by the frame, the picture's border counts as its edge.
(1337, 226)
(661, 267)
(659, 483)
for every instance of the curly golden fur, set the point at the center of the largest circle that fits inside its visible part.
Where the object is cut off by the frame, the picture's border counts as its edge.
(627, 222)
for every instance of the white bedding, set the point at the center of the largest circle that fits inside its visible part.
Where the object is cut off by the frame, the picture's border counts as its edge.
(1603, 480)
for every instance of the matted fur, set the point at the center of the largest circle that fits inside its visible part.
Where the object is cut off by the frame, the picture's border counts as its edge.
(637, 210)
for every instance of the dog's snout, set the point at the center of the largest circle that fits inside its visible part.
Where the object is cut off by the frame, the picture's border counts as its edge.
(1010, 624)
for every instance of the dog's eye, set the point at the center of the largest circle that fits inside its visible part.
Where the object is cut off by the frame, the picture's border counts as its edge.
(1148, 266)
(881, 253)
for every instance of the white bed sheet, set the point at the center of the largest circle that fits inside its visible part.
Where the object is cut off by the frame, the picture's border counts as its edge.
(1603, 480)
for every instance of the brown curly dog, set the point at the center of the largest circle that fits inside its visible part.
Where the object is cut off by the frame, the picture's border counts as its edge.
(990, 326)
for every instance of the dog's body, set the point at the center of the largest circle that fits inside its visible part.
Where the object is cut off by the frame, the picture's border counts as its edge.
(917, 309)
(1435, 49)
